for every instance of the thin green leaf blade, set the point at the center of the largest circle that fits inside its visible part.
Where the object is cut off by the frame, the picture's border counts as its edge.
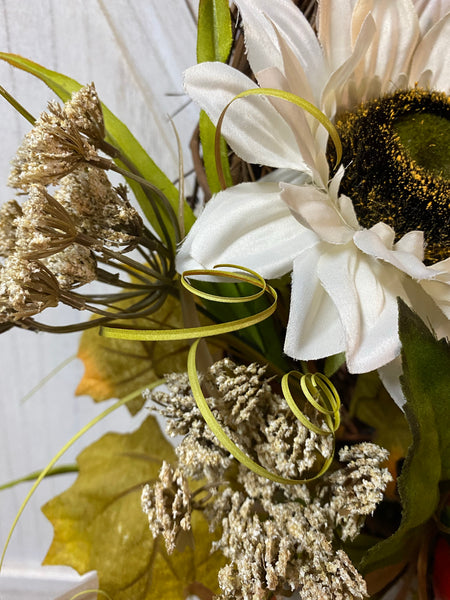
(118, 135)
(214, 41)
(214, 37)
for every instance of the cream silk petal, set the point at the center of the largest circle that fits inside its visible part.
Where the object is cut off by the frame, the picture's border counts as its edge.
(334, 19)
(390, 378)
(425, 302)
(365, 297)
(430, 12)
(394, 43)
(252, 126)
(439, 288)
(293, 115)
(413, 243)
(314, 329)
(336, 95)
(369, 242)
(246, 225)
(261, 40)
(314, 209)
(432, 58)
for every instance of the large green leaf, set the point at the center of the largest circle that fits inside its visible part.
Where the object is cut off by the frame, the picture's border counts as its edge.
(118, 135)
(99, 525)
(115, 368)
(426, 382)
(214, 41)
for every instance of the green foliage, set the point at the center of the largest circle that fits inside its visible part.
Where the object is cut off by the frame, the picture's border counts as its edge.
(115, 368)
(119, 136)
(214, 41)
(426, 381)
(99, 525)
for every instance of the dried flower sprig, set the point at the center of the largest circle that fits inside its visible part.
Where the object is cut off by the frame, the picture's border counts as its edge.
(277, 538)
(83, 231)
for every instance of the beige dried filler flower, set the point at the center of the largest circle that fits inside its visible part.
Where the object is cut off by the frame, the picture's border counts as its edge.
(60, 140)
(277, 538)
(26, 288)
(168, 505)
(101, 211)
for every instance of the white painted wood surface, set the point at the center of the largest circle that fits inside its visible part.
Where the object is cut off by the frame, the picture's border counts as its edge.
(135, 52)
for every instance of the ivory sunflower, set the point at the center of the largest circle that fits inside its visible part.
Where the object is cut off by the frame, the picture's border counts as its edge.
(349, 263)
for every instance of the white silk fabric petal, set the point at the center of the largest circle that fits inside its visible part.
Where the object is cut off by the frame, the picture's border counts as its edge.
(430, 66)
(314, 328)
(261, 40)
(393, 44)
(252, 126)
(247, 225)
(365, 295)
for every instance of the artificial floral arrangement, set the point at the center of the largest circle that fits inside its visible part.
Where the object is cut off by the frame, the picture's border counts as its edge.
(298, 322)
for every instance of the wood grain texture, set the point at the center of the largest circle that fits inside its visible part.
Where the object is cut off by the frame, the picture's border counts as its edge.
(135, 53)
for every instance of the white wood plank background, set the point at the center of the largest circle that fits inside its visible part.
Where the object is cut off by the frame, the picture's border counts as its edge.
(135, 53)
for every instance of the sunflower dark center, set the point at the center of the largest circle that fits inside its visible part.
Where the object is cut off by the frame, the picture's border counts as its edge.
(396, 153)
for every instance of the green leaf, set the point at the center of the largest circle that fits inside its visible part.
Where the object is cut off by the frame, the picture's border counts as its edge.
(426, 381)
(214, 38)
(214, 41)
(114, 368)
(118, 135)
(207, 137)
(99, 524)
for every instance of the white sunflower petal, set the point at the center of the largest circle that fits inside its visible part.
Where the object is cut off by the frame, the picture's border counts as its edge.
(365, 298)
(334, 20)
(372, 244)
(431, 58)
(314, 209)
(395, 40)
(261, 40)
(314, 329)
(430, 12)
(247, 225)
(390, 377)
(252, 126)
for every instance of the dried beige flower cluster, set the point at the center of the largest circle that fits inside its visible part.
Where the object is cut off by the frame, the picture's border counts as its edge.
(55, 238)
(277, 538)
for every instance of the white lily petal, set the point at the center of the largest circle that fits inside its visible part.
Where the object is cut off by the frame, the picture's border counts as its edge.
(246, 225)
(252, 126)
(372, 244)
(314, 209)
(431, 56)
(314, 329)
(365, 297)
(394, 43)
(261, 40)
(390, 378)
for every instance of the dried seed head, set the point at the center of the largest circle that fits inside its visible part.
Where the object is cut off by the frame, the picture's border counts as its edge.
(73, 267)
(9, 212)
(354, 491)
(167, 505)
(100, 212)
(45, 227)
(52, 149)
(26, 288)
(85, 111)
